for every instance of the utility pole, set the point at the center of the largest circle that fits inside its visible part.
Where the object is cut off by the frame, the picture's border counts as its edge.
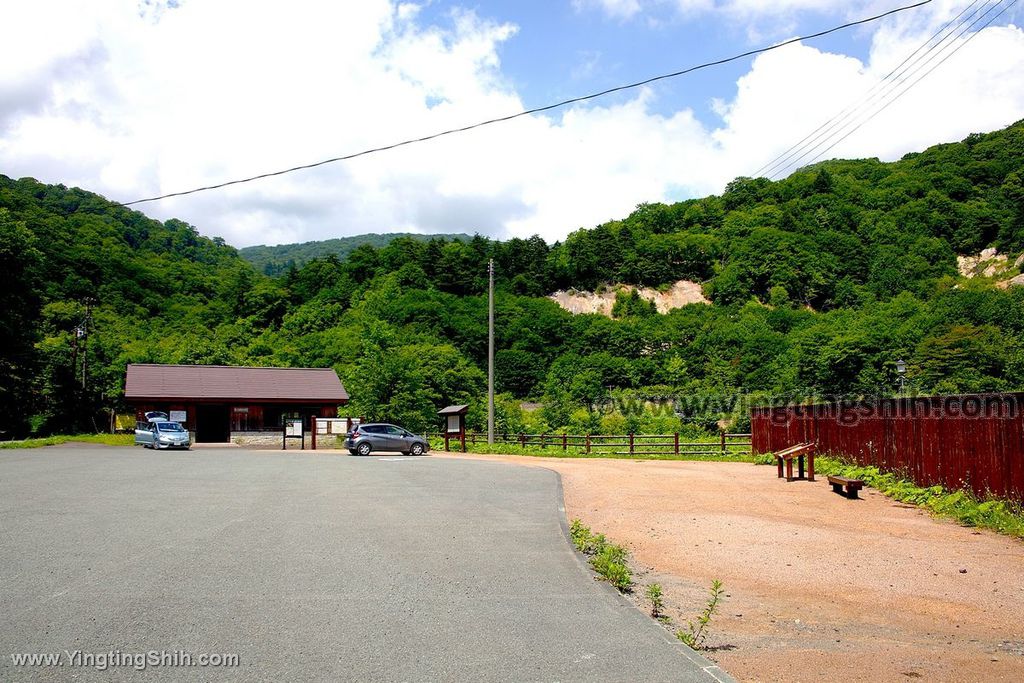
(490, 353)
(85, 339)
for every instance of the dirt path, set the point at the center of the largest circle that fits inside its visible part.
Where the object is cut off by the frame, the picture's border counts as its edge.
(819, 587)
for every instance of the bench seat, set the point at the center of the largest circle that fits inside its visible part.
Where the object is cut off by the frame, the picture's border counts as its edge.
(786, 456)
(851, 485)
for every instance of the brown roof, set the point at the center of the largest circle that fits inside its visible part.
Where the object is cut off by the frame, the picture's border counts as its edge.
(453, 410)
(228, 382)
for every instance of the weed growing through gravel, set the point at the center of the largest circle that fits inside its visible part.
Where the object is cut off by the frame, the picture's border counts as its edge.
(607, 559)
(696, 632)
(657, 599)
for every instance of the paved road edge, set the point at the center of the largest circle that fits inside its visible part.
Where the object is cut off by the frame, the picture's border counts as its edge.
(710, 668)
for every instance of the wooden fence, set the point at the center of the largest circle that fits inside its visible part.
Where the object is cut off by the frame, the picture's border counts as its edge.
(620, 444)
(973, 442)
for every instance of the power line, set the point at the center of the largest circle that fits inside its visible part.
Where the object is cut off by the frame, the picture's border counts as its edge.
(769, 168)
(857, 120)
(535, 110)
(947, 41)
(922, 77)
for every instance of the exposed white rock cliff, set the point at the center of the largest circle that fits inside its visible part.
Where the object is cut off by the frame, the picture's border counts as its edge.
(680, 294)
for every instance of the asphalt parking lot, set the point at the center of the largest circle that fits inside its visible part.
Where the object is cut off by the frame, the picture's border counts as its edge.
(324, 567)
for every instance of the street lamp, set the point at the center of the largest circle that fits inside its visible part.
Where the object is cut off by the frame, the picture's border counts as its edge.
(901, 370)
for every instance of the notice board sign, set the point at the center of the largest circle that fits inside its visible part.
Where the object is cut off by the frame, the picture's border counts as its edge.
(293, 428)
(179, 416)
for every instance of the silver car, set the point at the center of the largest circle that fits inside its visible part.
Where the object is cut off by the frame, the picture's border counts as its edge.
(366, 439)
(157, 434)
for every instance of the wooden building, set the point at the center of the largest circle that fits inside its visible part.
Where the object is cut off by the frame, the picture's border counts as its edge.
(216, 402)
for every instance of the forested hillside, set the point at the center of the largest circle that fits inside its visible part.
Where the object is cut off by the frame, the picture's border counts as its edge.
(820, 283)
(280, 258)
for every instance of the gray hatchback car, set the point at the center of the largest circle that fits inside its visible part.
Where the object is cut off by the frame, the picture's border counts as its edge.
(367, 438)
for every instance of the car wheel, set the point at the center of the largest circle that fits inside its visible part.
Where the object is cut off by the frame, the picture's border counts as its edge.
(364, 448)
(417, 449)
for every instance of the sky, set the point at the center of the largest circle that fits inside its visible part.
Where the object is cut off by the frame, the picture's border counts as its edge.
(134, 99)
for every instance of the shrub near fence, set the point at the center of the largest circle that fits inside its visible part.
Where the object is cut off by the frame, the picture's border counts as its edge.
(618, 445)
(973, 442)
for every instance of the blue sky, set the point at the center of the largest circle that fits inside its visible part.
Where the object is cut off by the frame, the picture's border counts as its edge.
(561, 50)
(135, 100)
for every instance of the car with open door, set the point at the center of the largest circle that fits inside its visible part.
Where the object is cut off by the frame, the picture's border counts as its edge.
(160, 434)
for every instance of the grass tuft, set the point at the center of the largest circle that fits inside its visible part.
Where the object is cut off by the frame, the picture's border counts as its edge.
(607, 559)
(106, 439)
(555, 451)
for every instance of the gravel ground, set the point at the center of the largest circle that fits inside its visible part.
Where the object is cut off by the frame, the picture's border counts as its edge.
(819, 587)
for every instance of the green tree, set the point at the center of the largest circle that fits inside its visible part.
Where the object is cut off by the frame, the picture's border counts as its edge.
(19, 312)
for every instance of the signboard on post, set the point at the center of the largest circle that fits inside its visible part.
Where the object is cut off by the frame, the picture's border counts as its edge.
(292, 429)
(454, 424)
(179, 416)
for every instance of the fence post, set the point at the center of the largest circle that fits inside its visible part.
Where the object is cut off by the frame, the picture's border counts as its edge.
(462, 437)
(588, 444)
(446, 440)
(631, 443)
(522, 440)
(676, 436)
(723, 442)
(543, 441)
(565, 442)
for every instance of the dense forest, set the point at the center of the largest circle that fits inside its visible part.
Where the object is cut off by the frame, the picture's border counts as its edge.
(819, 283)
(278, 259)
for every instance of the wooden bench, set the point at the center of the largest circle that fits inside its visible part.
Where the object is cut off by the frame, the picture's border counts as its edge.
(851, 485)
(798, 451)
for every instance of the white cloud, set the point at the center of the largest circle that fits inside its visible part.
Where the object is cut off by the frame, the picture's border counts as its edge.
(134, 104)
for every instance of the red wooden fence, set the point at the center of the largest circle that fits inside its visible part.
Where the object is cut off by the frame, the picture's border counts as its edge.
(974, 442)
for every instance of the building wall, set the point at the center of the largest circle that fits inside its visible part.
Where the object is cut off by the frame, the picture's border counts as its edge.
(272, 440)
(243, 416)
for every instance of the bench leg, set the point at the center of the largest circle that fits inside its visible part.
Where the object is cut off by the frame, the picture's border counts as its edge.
(801, 467)
(789, 469)
(837, 488)
(851, 493)
(780, 467)
(810, 467)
